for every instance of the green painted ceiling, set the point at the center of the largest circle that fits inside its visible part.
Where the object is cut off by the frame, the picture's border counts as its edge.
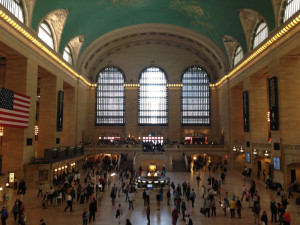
(93, 18)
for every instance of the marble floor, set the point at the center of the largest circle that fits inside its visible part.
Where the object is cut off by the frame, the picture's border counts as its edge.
(106, 212)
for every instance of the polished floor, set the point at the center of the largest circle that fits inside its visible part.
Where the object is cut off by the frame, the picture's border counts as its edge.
(106, 212)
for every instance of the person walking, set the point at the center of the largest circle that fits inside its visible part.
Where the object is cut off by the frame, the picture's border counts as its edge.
(15, 211)
(174, 216)
(148, 214)
(203, 191)
(239, 207)
(168, 196)
(244, 190)
(4, 215)
(158, 198)
(256, 211)
(130, 200)
(69, 203)
(85, 217)
(183, 209)
(213, 207)
(264, 218)
(207, 205)
(232, 206)
(92, 209)
(40, 191)
(119, 212)
(286, 218)
(297, 200)
(192, 197)
(273, 211)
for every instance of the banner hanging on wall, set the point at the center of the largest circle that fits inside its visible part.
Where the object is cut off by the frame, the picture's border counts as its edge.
(60, 110)
(273, 104)
(246, 111)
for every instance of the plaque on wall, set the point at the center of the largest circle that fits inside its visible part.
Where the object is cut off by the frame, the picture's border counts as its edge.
(60, 110)
(273, 104)
(43, 175)
(246, 111)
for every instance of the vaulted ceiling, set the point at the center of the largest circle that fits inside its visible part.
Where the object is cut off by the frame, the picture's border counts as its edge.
(94, 18)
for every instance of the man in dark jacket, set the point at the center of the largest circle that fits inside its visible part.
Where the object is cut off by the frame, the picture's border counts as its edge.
(92, 209)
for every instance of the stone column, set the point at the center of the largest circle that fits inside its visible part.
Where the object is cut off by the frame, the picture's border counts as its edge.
(131, 111)
(258, 102)
(174, 111)
(69, 117)
(47, 112)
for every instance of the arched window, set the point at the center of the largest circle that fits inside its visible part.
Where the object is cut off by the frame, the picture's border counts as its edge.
(45, 34)
(291, 7)
(238, 55)
(67, 55)
(110, 102)
(195, 97)
(261, 33)
(15, 7)
(153, 95)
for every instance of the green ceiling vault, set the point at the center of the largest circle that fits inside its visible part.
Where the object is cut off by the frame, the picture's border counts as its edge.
(93, 18)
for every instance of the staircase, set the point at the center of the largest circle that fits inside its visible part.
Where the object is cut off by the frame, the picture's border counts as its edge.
(179, 166)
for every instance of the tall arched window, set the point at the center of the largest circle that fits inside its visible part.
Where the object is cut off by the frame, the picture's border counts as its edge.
(291, 7)
(15, 7)
(195, 97)
(110, 101)
(238, 55)
(153, 95)
(45, 34)
(261, 33)
(67, 55)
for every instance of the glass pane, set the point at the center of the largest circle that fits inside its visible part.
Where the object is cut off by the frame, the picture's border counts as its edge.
(15, 7)
(195, 96)
(110, 104)
(292, 6)
(45, 34)
(67, 55)
(238, 55)
(261, 34)
(153, 97)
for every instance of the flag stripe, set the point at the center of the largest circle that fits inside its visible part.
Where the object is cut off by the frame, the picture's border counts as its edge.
(21, 109)
(19, 114)
(14, 119)
(13, 123)
(21, 105)
(25, 104)
(24, 97)
(10, 125)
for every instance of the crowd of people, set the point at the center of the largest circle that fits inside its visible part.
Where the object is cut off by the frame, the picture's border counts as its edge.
(209, 194)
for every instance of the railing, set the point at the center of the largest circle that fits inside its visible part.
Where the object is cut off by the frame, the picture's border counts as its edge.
(139, 147)
(57, 154)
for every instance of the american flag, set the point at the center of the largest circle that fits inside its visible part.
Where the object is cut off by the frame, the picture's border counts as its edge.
(14, 109)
